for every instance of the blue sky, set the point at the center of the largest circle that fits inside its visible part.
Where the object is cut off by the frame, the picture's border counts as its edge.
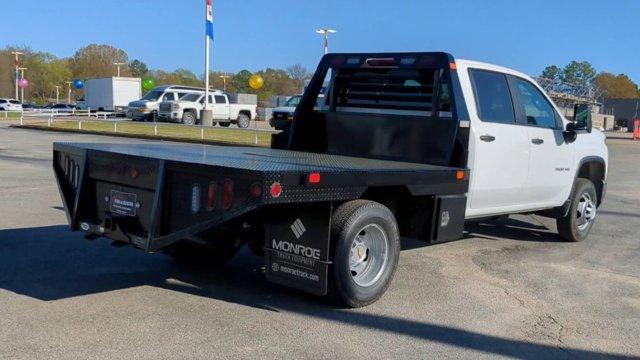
(254, 34)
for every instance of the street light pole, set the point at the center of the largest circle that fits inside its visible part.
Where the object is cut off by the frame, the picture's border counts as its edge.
(224, 82)
(118, 64)
(325, 34)
(22, 69)
(69, 92)
(17, 63)
(57, 94)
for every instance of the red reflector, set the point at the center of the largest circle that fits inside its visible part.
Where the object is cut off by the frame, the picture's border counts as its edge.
(211, 196)
(256, 190)
(314, 178)
(276, 189)
(227, 194)
(453, 66)
(134, 173)
(459, 175)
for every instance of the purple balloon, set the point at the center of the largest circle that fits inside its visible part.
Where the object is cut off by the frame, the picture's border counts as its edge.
(23, 83)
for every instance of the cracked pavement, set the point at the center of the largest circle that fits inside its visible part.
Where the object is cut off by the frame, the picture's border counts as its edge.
(510, 289)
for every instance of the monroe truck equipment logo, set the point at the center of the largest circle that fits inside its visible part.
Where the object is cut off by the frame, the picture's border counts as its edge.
(297, 249)
(298, 228)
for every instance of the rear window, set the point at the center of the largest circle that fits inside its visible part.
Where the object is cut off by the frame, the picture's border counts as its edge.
(493, 99)
(3, 101)
(191, 97)
(385, 90)
(14, 101)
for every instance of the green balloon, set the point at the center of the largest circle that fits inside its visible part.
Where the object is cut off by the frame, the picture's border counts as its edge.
(148, 83)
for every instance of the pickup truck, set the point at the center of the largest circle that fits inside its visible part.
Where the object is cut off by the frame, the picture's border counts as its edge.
(187, 109)
(283, 115)
(408, 144)
(146, 109)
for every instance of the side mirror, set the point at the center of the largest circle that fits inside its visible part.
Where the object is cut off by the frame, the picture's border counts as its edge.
(582, 117)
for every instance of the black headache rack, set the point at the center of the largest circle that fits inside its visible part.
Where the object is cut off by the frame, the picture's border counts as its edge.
(151, 195)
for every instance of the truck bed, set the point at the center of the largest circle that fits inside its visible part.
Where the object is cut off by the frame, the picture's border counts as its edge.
(160, 179)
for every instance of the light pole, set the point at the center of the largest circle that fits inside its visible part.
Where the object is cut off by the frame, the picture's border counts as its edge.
(224, 81)
(17, 63)
(118, 64)
(22, 69)
(57, 94)
(325, 34)
(69, 92)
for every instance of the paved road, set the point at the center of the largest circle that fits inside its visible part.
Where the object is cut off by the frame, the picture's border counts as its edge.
(511, 289)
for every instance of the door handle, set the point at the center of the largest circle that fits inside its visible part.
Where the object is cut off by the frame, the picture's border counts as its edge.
(487, 138)
(537, 141)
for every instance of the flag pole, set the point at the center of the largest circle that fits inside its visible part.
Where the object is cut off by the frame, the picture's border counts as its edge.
(206, 115)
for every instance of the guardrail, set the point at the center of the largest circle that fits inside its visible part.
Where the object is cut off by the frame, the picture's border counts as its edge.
(116, 125)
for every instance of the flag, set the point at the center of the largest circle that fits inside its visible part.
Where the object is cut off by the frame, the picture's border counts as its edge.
(209, 24)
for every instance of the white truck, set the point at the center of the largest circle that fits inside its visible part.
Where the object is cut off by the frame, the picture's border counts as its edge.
(407, 144)
(111, 93)
(187, 109)
(146, 109)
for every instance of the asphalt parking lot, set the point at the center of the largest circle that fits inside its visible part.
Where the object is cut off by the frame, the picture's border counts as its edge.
(511, 289)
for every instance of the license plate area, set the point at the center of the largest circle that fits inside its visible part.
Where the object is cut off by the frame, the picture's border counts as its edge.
(123, 203)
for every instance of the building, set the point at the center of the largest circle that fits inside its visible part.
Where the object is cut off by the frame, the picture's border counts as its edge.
(624, 110)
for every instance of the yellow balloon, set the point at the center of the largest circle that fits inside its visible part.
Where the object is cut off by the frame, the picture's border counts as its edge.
(256, 82)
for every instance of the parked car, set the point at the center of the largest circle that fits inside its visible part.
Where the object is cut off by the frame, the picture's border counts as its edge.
(30, 106)
(10, 105)
(146, 109)
(187, 110)
(62, 108)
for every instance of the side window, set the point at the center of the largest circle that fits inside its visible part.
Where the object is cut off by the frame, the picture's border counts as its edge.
(169, 97)
(181, 94)
(220, 99)
(493, 99)
(537, 108)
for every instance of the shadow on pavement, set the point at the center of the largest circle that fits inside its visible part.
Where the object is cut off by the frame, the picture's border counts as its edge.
(51, 263)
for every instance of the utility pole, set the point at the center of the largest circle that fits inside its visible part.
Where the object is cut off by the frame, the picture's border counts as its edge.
(207, 114)
(22, 69)
(118, 64)
(57, 94)
(17, 63)
(325, 34)
(69, 92)
(224, 81)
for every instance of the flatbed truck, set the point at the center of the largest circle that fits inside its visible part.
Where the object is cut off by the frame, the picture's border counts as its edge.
(403, 144)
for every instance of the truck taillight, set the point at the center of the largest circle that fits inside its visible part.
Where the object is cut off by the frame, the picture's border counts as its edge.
(256, 190)
(195, 198)
(314, 178)
(211, 196)
(276, 189)
(227, 194)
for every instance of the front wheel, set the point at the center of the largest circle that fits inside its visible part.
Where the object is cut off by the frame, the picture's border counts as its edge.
(188, 118)
(243, 121)
(365, 252)
(575, 226)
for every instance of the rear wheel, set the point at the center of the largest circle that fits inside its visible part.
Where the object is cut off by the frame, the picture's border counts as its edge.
(577, 224)
(243, 121)
(188, 118)
(366, 247)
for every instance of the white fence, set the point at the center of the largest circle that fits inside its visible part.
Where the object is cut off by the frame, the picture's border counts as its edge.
(116, 125)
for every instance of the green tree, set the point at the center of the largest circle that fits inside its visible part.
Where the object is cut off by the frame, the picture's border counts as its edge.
(45, 71)
(137, 68)
(579, 74)
(96, 60)
(299, 74)
(552, 72)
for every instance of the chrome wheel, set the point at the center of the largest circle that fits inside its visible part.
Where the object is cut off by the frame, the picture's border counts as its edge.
(369, 255)
(585, 211)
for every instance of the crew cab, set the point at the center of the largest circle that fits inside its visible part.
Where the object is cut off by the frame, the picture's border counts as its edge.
(146, 109)
(187, 109)
(404, 144)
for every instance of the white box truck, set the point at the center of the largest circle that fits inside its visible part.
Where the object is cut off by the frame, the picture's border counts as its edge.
(111, 93)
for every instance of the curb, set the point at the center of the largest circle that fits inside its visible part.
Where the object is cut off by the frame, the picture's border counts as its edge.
(133, 136)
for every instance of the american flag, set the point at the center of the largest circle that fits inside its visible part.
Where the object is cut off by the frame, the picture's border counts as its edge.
(209, 24)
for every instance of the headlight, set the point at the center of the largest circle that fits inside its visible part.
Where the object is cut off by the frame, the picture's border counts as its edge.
(142, 109)
(290, 117)
(175, 106)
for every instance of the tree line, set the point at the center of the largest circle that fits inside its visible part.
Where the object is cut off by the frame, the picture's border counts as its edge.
(45, 71)
(582, 75)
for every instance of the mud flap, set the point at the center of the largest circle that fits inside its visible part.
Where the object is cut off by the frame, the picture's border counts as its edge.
(297, 248)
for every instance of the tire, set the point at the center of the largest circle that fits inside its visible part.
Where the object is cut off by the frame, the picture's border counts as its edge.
(577, 224)
(243, 121)
(224, 124)
(213, 123)
(216, 255)
(189, 118)
(365, 250)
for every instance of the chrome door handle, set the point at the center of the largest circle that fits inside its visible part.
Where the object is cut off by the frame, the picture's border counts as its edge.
(487, 138)
(537, 141)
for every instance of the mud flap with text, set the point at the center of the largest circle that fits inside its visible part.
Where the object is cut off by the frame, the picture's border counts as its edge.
(297, 248)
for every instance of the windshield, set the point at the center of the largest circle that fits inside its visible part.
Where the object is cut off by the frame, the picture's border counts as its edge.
(152, 95)
(14, 101)
(191, 97)
(293, 101)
